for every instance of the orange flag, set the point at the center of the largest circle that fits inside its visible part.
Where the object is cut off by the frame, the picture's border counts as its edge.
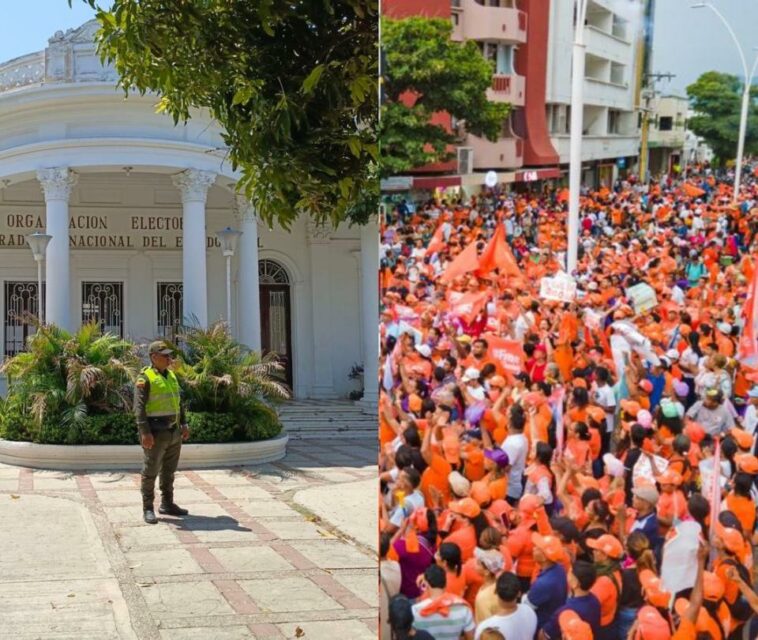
(437, 242)
(465, 262)
(509, 353)
(468, 305)
(692, 191)
(497, 254)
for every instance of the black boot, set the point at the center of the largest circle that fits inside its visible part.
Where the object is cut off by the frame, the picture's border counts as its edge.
(170, 508)
(149, 514)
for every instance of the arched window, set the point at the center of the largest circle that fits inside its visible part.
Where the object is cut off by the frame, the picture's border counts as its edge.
(270, 272)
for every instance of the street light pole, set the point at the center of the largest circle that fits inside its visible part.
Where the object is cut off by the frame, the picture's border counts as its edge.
(575, 149)
(745, 96)
(38, 244)
(228, 238)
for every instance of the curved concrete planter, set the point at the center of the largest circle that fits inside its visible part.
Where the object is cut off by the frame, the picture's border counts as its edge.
(108, 457)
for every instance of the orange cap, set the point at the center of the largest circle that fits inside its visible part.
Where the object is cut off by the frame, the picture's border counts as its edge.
(631, 407)
(497, 381)
(579, 382)
(608, 544)
(695, 432)
(713, 587)
(549, 545)
(747, 463)
(573, 627)
(480, 492)
(655, 594)
(651, 625)
(743, 439)
(465, 507)
(529, 504)
(419, 520)
(670, 477)
(731, 538)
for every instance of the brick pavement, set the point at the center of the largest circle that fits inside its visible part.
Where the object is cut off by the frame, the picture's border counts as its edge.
(247, 563)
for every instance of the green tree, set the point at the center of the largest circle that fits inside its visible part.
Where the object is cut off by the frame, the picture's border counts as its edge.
(292, 83)
(440, 75)
(716, 99)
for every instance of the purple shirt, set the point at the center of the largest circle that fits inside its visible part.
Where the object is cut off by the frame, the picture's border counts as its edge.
(412, 565)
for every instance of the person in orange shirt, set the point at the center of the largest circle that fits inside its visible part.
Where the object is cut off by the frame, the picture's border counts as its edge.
(448, 557)
(740, 501)
(531, 515)
(672, 503)
(467, 515)
(578, 446)
(730, 548)
(607, 554)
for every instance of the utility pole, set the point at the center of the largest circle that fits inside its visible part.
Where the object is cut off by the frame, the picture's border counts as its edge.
(648, 92)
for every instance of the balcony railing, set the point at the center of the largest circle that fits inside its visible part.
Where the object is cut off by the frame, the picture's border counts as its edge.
(475, 21)
(508, 88)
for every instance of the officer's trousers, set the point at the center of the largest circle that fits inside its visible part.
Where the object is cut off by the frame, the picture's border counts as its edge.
(163, 458)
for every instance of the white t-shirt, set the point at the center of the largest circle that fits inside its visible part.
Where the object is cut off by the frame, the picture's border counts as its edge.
(605, 397)
(519, 625)
(517, 447)
(410, 504)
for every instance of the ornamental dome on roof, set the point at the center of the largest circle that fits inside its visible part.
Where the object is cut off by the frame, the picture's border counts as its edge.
(69, 57)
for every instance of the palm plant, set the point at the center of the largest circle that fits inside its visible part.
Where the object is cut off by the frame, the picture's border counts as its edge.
(220, 375)
(72, 375)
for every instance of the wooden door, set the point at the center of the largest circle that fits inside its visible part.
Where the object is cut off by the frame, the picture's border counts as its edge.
(276, 329)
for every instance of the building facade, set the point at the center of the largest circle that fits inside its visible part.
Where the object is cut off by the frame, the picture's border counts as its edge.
(133, 204)
(666, 135)
(529, 43)
(610, 136)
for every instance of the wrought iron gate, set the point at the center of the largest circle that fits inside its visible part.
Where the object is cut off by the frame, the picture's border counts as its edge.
(103, 303)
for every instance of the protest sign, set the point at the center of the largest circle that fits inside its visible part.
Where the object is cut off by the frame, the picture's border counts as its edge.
(643, 297)
(561, 288)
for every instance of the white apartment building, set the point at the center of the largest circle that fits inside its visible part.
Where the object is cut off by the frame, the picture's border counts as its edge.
(666, 134)
(610, 133)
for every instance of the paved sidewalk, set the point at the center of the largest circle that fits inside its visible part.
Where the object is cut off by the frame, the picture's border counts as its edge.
(260, 556)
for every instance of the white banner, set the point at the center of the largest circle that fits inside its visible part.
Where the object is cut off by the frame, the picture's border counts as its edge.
(643, 297)
(561, 288)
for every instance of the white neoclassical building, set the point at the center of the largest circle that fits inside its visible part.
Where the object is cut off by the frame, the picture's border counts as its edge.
(133, 204)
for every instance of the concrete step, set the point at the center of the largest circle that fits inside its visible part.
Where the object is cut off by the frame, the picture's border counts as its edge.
(322, 418)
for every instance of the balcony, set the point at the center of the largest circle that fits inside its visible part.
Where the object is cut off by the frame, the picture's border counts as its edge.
(608, 94)
(506, 153)
(474, 21)
(605, 45)
(509, 88)
(598, 147)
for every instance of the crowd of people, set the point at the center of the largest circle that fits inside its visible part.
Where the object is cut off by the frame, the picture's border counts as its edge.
(570, 455)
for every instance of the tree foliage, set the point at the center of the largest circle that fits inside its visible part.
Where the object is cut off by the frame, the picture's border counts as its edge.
(716, 99)
(291, 82)
(441, 75)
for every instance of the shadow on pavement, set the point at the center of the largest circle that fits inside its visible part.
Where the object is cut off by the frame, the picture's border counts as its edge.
(208, 523)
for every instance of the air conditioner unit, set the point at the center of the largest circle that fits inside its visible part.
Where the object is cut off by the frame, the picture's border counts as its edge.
(465, 160)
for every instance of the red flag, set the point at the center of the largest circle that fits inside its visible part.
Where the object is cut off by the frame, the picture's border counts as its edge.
(509, 353)
(498, 255)
(747, 348)
(465, 262)
(468, 305)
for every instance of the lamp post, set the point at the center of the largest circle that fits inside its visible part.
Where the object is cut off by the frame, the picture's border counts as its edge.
(228, 238)
(38, 243)
(745, 95)
(575, 149)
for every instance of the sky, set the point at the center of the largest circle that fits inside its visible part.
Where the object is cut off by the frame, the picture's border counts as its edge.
(688, 42)
(25, 25)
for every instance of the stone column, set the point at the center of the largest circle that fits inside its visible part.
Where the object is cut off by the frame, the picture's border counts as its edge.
(249, 302)
(323, 375)
(194, 185)
(57, 184)
(370, 312)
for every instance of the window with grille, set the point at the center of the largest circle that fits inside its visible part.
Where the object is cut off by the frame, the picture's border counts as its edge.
(103, 303)
(270, 272)
(21, 305)
(170, 309)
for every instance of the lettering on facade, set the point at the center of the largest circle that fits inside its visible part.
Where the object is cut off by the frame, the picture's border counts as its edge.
(111, 232)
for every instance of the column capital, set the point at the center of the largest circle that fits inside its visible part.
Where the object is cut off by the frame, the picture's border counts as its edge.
(57, 182)
(317, 233)
(245, 209)
(194, 184)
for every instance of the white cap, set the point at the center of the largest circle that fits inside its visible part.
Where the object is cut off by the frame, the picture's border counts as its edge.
(673, 355)
(724, 327)
(470, 374)
(425, 350)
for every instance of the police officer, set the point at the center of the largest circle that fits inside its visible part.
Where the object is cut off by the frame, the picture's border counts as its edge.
(162, 427)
